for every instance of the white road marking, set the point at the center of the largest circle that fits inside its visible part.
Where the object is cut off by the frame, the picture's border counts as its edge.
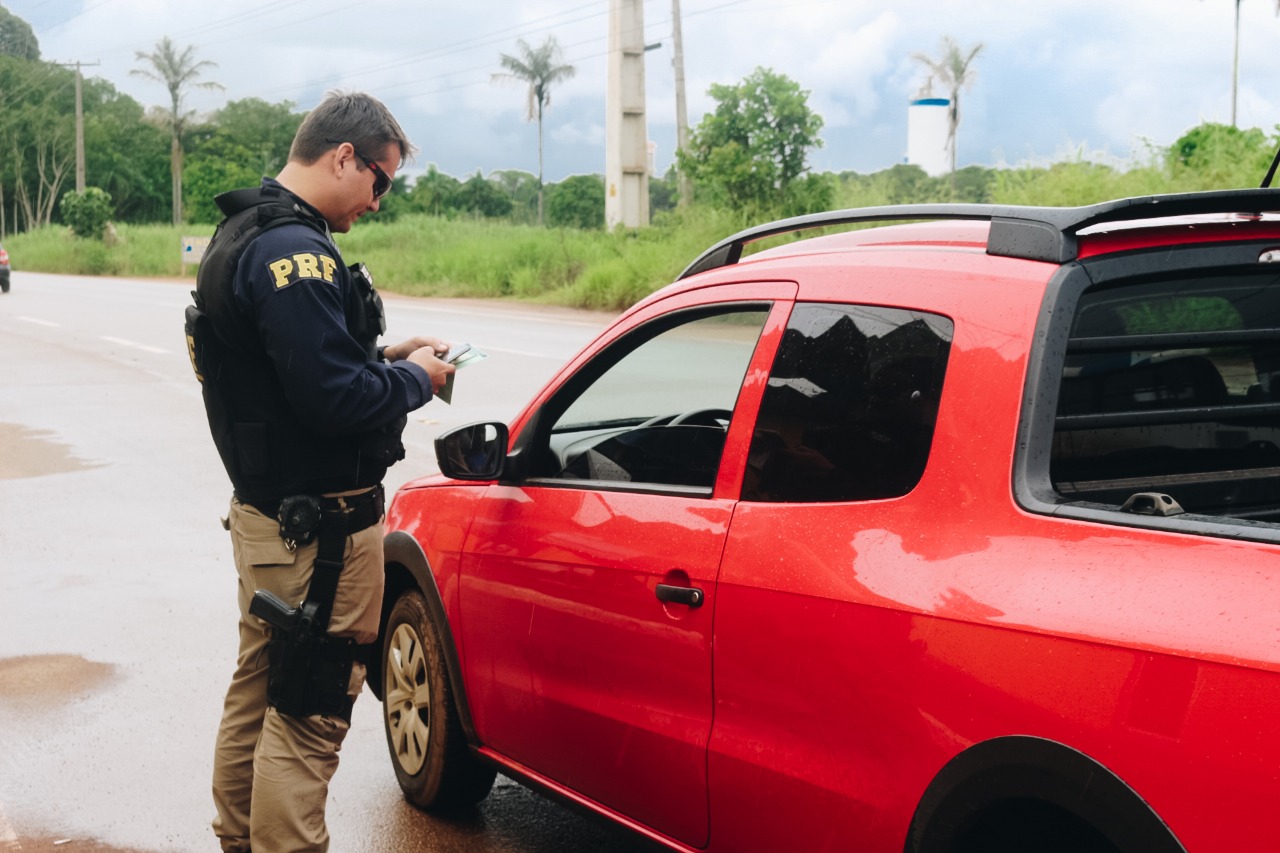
(39, 322)
(124, 343)
(524, 353)
(506, 312)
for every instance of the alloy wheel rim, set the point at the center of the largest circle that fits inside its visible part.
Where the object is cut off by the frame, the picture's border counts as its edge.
(408, 699)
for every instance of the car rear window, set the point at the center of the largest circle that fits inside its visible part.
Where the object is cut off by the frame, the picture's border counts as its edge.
(1171, 387)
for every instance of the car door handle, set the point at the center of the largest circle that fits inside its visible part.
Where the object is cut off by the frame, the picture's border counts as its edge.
(689, 595)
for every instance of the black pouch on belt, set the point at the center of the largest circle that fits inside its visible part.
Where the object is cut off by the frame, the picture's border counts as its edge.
(299, 517)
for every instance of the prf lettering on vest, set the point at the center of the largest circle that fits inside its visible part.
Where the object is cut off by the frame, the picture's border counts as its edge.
(303, 265)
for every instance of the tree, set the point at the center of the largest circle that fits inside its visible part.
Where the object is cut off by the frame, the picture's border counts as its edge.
(577, 202)
(664, 192)
(481, 197)
(127, 156)
(953, 72)
(240, 143)
(522, 187)
(751, 151)
(87, 213)
(177, 71)
(17, 39)
(220, 164)
(433, 192)
(1220, 155)
(37, 140)
(266, 130)
(539, 67)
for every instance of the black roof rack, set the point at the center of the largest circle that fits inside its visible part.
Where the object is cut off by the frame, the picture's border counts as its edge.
(1035, 233)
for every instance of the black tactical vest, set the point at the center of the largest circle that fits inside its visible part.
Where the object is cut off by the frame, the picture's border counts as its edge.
(267, 450)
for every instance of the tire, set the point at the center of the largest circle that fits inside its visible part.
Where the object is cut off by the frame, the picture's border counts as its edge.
(434, 766)
(4, 285)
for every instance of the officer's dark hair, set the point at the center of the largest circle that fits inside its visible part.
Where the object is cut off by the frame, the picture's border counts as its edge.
(353, 117)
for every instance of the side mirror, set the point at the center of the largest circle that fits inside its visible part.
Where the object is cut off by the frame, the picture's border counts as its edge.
(473, 452)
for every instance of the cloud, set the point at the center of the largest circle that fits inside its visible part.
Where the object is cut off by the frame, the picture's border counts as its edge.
(1053, 75)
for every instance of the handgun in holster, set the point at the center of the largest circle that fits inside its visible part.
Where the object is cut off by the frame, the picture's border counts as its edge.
(309, 670)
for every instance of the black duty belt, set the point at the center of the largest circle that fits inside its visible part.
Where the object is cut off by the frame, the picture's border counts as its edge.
(359, 511)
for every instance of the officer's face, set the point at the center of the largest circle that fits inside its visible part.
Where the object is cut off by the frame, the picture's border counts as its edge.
(359, 196)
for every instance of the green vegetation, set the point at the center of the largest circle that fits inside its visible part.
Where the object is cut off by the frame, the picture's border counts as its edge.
(540, 68)
(17, 38)
(467, 255)
(483, 236)
(87, 213)
(178, 71)
(752, 151)
(137, 250)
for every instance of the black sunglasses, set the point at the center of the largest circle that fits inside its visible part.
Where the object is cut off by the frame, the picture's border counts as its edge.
(381, 180)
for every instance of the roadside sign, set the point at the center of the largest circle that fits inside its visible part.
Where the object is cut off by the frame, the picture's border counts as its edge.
(193, 249)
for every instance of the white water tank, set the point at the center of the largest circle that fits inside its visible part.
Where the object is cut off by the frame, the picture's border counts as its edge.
(927, 135)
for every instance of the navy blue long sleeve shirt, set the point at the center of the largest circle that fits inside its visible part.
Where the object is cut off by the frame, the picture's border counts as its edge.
(293, 283)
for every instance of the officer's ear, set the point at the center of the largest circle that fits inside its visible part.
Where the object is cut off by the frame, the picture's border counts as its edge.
(341, 155)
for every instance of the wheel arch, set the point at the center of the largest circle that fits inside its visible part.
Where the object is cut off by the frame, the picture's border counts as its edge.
(405, 568)
(997, 774)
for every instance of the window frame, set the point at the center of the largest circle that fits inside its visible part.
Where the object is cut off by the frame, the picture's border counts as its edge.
(534, 438)
(1032, 484)
(848, 306)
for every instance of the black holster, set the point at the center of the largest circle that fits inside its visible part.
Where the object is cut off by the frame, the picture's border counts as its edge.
(309, 670)
(308, 675)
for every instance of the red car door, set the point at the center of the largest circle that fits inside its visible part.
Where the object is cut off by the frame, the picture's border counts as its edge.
(588, 589)
(811, 678)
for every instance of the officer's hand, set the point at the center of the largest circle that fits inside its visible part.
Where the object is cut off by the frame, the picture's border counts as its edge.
(403, 349)
(438, 370)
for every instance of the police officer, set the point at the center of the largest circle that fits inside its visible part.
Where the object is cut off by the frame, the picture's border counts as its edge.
(306, 412)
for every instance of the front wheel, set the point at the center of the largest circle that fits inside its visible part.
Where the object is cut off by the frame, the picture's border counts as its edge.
(433, 764)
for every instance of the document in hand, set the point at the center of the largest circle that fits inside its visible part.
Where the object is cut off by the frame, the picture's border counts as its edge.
(459, 356)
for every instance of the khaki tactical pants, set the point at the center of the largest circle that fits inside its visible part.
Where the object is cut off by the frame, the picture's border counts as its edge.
(271, 771)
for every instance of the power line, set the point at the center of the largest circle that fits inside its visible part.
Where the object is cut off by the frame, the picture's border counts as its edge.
(544, 24)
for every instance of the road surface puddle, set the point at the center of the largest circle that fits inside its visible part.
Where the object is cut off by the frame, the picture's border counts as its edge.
(26, 452)
(38, 681)
(59, 845)
(49, 678)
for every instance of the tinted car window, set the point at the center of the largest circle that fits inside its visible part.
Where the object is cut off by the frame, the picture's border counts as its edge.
(850, 407)
(1173, 387)
(660, 413)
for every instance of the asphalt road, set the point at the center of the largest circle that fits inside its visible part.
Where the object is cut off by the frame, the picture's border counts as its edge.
(117, 594)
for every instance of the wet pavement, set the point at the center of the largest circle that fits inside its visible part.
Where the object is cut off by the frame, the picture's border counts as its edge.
(117, 593)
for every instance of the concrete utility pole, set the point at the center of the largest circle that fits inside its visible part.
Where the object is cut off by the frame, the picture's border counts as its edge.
(626, 173)
(682, 111)
(80, 181)
(1235, 67)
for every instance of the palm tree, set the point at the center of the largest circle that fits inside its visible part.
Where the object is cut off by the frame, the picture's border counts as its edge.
(539, 67)
(177, 71)
(952, 71)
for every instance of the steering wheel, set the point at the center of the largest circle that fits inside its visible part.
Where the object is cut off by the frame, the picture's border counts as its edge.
(704, 417)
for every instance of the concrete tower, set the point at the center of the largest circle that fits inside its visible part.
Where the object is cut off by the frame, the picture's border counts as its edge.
(626, 137)
(928, 145)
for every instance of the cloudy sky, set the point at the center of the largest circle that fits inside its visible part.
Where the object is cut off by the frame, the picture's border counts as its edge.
(1055, 78)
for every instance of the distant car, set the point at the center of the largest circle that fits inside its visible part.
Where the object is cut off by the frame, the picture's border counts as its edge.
(955, 535)
(4, 270)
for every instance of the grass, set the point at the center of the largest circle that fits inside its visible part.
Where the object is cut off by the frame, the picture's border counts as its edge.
(422, 255)
(145, 251)
(430, 256)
